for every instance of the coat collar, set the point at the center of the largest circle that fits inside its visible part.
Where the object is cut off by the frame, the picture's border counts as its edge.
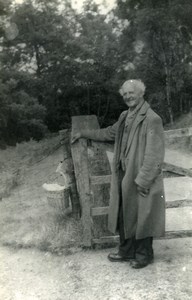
(139, 118)
(144, 108)
(142, 111)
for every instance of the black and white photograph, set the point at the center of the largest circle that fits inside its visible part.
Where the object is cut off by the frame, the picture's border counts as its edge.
(95, 149)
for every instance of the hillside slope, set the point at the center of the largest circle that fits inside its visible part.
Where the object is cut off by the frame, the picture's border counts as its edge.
(183, 121)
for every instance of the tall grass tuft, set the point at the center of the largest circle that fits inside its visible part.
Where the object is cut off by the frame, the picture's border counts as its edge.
(15, 160)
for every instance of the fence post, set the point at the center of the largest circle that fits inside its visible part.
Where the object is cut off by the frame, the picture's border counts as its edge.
(81, 166)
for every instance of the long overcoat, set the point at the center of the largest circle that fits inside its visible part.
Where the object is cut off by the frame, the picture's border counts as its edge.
(144, 155)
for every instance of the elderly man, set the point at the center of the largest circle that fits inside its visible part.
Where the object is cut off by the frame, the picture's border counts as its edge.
(137, 202)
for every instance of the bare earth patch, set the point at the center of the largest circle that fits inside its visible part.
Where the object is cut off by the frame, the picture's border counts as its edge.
(33, 275)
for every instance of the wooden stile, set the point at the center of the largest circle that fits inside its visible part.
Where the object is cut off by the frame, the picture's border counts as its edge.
(93, 177)
(80, 159)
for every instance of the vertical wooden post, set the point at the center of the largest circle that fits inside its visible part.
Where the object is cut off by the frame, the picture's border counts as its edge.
(81, 166)
(69, 171)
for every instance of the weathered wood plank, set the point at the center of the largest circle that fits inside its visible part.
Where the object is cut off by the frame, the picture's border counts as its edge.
(176, 169)
(182, 162)
(168, 235)
(178, 132)
(107, 178)
(99, 170)
(177, 234)
(99, 211)
(99, 166)
(175, 161)
(80, 160)
(106, 240)
(100, 179)
(179, 203)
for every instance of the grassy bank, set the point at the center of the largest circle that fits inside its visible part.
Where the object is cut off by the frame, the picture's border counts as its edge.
(183, 121)
(14, 161)
(26, 218)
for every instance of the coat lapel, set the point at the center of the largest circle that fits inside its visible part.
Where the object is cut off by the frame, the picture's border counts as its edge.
(139, 118)
(119, 138)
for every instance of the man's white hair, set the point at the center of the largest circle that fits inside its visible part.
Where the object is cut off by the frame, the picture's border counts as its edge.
(137, 83)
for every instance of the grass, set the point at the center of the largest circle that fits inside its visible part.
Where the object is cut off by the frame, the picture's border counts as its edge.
(28, 221)
(26, 218)
(15, 160)
(48, 235)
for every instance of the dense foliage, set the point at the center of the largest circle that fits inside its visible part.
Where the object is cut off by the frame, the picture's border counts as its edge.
(160, 33)
(57, 62)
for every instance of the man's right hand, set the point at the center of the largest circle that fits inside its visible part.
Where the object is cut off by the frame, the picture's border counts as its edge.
(75, 137)
(142, 191)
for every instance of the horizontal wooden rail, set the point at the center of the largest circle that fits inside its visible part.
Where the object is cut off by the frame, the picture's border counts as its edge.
(179, 203)
(106, 240)
(174, 133)
(100, 179)
(104, 179)
(176, 234)
(168, 235)
(177, 170)
(100, 211)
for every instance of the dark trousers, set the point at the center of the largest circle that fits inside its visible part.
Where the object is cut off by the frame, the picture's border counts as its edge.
(140, 249)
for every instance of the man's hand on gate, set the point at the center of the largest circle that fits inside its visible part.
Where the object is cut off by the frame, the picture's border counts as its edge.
(142, 191)
(75, 137)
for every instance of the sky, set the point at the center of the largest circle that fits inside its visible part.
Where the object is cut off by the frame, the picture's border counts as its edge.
(77, 4)
(109, 4)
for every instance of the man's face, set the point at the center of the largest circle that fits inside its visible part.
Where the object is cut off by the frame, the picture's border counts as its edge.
(131, 95)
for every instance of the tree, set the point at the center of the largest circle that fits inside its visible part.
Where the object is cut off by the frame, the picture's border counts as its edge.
(23, 116)
(163, 60)
(73, 58)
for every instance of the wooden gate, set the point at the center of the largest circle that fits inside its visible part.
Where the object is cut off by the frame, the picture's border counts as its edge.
(93, 175)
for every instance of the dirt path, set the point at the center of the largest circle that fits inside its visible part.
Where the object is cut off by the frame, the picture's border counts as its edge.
(28, 274)
(33, 275)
